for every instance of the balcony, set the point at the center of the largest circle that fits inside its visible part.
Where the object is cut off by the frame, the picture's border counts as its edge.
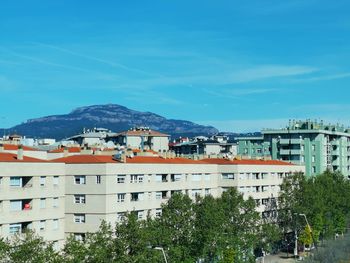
(284, 141)
(295, 152)
(295, 141)
(21, 181)
(284, 152)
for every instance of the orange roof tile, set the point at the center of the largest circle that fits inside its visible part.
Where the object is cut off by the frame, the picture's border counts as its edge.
(86, 159)
(157, 160)
(9, 157)
(70, 150)
(245, 162)
(14, 147)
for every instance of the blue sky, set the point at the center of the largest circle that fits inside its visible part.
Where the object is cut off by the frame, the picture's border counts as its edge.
(237, 65)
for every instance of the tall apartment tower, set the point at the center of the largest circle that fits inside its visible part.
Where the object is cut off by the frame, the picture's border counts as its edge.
(317, 146)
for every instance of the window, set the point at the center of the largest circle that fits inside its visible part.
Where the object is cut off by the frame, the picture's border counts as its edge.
(15, 181)
(196, 177)
(228, 176)
(16, 205)
(175, 177)
(42, 203)
(136, 178)
(196, 192)
(140, 214)
(79, 218)
(120, 216)
(264, 175)
(42, 225)
(136, 197)
(121, 179)
(79, 237)
(158, 212)
(98, 179)
(15, 228)
(158, 195)
(313, 158)
(55, 202)
(79, 199)
(158, 177)
(120, 198)
(264, 188)
(42, 180)
(79, 179)
(313, 147)
(207, 191)
(265, 201)
(207, 177)
(55, 224)
(314, 169)
(55, 180)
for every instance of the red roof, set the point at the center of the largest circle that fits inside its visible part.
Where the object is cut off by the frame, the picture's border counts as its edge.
(9, 157)
(245, 162)
(14, 147)
(159, 160)
(86, 159)
(156, 160)
(70, 150)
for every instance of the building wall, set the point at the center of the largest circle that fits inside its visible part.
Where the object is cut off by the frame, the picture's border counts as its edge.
(46, 202)
(318, 150)
(157, 185)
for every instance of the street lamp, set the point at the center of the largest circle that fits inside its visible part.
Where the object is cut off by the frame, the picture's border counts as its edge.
(162, 249)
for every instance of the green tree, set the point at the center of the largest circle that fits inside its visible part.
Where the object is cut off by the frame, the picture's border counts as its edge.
(305, 236)
(30, 248)
(209, 234)
(241, 226)
(176, 229)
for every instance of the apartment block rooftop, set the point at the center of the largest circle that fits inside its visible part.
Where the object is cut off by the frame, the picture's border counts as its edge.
(300, 126)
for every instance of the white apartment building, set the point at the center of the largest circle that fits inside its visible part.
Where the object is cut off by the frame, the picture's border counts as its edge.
(101, 188)
(32, 197)
(142, 138)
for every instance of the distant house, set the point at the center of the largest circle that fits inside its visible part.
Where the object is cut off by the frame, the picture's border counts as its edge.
(96, 136)
(142, 138)
(215, 145)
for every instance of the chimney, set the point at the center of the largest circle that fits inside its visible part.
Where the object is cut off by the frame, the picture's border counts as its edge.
(65, 152)
(1, 147)
(20, 153)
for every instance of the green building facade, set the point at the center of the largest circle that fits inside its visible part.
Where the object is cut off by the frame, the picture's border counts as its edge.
(317, 146)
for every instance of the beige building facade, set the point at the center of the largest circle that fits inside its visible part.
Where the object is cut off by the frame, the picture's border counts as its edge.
(32, 197)
(100, 188)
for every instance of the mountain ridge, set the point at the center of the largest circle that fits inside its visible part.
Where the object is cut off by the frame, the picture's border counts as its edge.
(111, 116)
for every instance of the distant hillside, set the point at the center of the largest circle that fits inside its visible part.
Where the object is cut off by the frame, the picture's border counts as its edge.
(111, 116)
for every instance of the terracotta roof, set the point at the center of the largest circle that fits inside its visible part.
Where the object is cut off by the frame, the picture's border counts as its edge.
(14, 147)
(245, 162)
(9, 157)
(148, 151)
(156, 160)
(86, 159)
(70, 150)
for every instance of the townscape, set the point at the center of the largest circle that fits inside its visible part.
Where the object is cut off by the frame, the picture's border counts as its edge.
(90, 182)
(174, 131)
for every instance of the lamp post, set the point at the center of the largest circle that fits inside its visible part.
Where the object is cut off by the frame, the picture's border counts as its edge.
(162, 249)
